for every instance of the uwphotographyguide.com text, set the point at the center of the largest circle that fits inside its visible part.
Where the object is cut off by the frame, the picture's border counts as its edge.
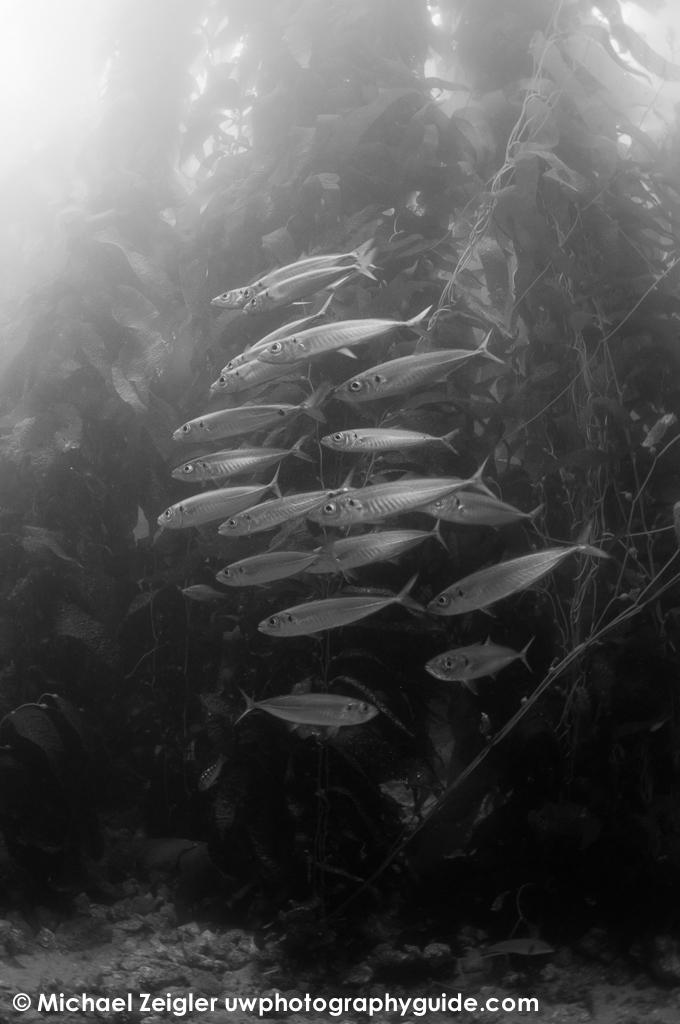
(179, 1005)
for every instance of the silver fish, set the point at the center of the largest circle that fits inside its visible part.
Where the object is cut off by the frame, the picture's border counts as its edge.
(289, 289)
(353, 552)
(473, 509)
(218, 465)
(280, 332)
(656, 433)
(324, 709)
(331, 613)
(238, 297)
(465, 664)
(483, 588)
(209, 506)
(377, 502)
(378, 439)
(215, 426)
(265, 568)
(343, 334)
(401, 375)
(250, 374)
(203, 593)
(272, 513)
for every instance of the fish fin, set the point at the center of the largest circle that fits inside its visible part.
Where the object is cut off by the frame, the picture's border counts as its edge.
(471, 685)
(536, 511)
(523, 653)
(295, 450)
(343, 280)
(250, 704)
(347, 482)
(326, 305)
(403, 596)
(483, 350)
(588, 549)
(274, 485)
(347, 352)
(476, 480)
(447, 438)
(487, 611)
(436, 532)
(364, 256)
(317, 398)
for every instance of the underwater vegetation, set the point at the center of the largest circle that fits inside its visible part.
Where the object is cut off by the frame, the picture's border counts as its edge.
(351, 392)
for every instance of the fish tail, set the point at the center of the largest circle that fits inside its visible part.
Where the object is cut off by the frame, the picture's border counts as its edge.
(436, 532)
(448, 438)
(484, 350)
(250, 704)
(589, 549)
(403, 596)
(274, 485)
(296, 449)
(536, 511)
(317, 398)
(477, 479)
(364, 256)
(523, 653)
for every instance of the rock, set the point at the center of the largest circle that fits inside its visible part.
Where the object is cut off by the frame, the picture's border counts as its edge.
(663, 959)
(46, 938)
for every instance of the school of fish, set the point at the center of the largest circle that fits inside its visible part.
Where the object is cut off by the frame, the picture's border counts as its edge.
(297, 350)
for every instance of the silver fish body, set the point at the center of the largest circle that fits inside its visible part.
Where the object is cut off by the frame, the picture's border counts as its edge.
(289, 289)
(657, 432)
(209, 506)
(215, 426)
(398, 376)
(265, 568)
(353, 552)
(247, 375)
(272, 513)
(331, 613)
(377, 502)
(219, 465)
(379, 439)
(465, 664)
(329, 710)
(344, 334)
(474, 509)
(484, 588)
(280, 332)
(203, 593)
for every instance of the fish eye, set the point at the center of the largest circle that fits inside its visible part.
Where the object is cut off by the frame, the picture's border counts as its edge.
(330, 507)
(232, 523)
(355, 385)
(185, 428)
(273, 621)
(276, 347)
(168, 514)
(337, 437)
(443, 600)
(188, 467)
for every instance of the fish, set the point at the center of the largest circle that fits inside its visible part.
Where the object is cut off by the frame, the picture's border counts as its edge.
(331, 613)
(353, 552)
(519, 947)
(657, 432)
(343, 334)
(238, 297)
(280, 332)
(215, 426)
(208, 777)
(465, 664)
(378, 439)
(473, 509)
(267, 515)
(250, 374)
(401, 375)
(265, 568)
(485, 587)
(219, 465)
(284, 290)
(377, 502)
(209, 506)
(331, 710)
(203, 592)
